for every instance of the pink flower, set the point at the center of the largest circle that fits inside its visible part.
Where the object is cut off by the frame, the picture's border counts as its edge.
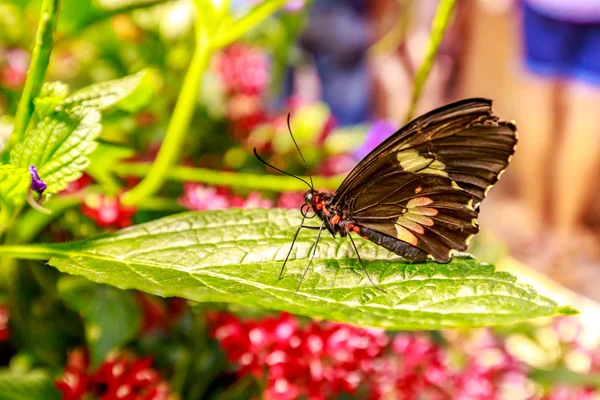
(14, 73)
(201, 197)
(290, 200)
(243, 69)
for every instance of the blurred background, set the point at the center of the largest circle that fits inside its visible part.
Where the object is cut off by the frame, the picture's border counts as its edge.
(345, 70)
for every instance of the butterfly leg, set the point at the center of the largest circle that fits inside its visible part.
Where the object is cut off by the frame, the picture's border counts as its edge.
(292, 246)
(363, 265)
(312, 256)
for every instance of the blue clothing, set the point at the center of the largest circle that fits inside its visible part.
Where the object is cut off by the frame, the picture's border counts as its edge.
(561, 48)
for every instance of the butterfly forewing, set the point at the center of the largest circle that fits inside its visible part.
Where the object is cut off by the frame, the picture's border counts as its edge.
(423, 185)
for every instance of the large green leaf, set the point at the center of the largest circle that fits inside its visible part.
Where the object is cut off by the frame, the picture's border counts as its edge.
(14, 184)
(58, 147)
(26, 385)
(235, 256)
(111, 316)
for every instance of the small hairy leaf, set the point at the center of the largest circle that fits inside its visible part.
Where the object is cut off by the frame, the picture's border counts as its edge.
(111, 316)
(51, 95)
(34, 384)
(58, 147)
(14, 184)
(235, 256)
(129, 93)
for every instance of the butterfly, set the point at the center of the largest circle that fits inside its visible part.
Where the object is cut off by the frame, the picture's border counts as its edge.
(418, 193)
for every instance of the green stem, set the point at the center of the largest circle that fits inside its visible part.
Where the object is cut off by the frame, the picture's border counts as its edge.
(37, 70)
(29, 252)
(178, 126)
(277, 183)
(438, 27)
(239, 28)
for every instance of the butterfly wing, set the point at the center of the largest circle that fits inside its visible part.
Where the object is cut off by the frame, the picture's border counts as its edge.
(423, 185)
(427, 212)
(463, 141)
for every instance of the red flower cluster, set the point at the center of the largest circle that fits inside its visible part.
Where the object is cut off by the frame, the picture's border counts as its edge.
(322, 360)
(4, 317)
(318, 361)
(108, 211)
(118, 378)
(202, 197)
(244, 73)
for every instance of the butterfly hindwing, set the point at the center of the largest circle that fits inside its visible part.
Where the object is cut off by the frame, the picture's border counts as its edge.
(423, 185)
(427, 212)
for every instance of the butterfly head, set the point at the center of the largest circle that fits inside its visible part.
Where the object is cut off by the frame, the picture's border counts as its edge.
(310, 197)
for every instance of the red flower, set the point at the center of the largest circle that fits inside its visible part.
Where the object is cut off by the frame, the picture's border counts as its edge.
(243, 69)
(108, 211)
(318, 361)
(118, 378)
(4, 317)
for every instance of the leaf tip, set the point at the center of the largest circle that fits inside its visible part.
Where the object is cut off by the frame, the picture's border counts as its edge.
(566, 311)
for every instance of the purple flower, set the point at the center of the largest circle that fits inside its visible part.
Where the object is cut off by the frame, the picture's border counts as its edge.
(380, 130)
(37, 184)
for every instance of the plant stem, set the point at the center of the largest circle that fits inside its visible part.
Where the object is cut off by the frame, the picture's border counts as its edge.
(37, 70)
(275, 183)
(178, 126)
(240, 27)
(28, 252)
(438, 27)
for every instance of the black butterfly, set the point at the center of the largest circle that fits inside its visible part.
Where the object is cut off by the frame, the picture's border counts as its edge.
(418, 193)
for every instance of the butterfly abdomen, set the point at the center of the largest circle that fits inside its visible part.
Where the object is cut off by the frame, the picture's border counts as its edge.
(394, 245)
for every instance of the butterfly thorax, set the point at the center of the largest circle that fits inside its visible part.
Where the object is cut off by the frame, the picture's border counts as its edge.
(336, 220)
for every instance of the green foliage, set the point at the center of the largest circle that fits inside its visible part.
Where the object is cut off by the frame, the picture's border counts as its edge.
(58, 147)
(35, 384)
(51, 95)
(129, 94)
(61, 142)
(111, 316)
(14, 184)
(235, 256)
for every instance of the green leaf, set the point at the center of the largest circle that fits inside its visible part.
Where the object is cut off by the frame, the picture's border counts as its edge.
(130, 94)
(58, 147)
(34, 384)
(76, 15)
(111, 316)
(51, 95)
(14, 184)
(235, 256)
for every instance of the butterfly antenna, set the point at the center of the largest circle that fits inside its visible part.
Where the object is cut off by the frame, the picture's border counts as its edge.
(312, 186)
(280, 170)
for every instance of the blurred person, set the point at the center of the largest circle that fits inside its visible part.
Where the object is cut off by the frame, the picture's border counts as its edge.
(559, 152)
(404, 29)
(336, 41)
